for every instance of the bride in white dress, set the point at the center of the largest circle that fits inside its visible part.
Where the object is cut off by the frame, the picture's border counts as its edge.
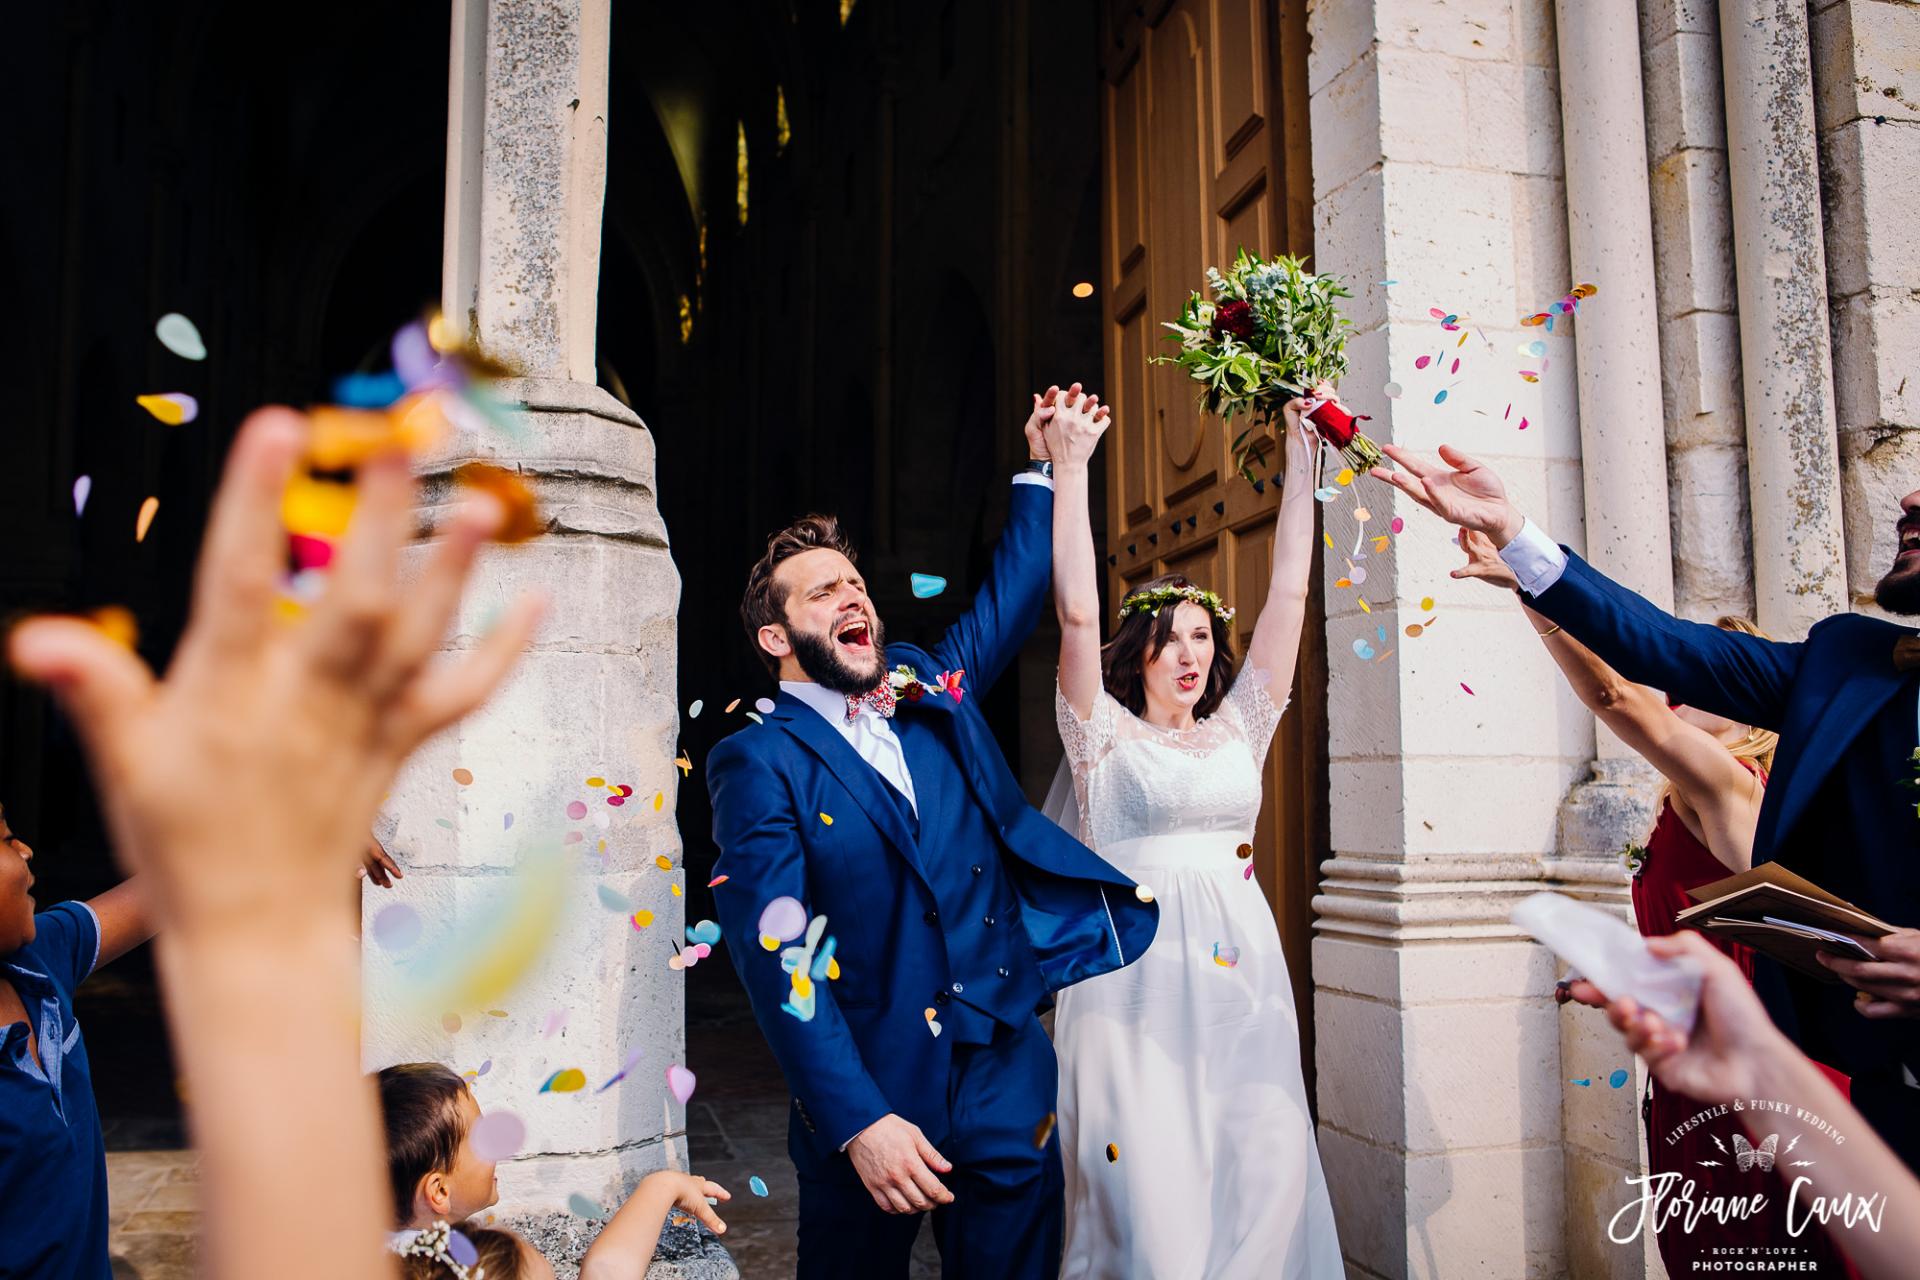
(1188, 1148)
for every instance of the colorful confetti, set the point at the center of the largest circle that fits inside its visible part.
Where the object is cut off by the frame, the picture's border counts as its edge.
(1043, 1131)
(1464, 686)
(933, 1023)
(717, 880)
(396, 927)
(763, 705)
(680, 1082)
(613, 900)
(463, 776)
(175, 408)
(621, 1074)
(576, 809)
(927, 585)
(693, 712)
(642, 918)
(783, 920)
(1226, 957)
(568, 1080)
(179, 335)
(1113, 1153)
(583, 1207)
(705, 931)
(663, 862)
(81, 488)
(497, 1136)
(755, 1185)
(148, 510)
(1618, 1078)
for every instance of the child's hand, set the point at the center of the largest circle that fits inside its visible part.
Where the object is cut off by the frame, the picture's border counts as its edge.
(246, 781)
(690, 1193)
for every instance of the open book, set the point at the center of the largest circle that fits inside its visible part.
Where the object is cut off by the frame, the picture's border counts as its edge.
(1789, 918)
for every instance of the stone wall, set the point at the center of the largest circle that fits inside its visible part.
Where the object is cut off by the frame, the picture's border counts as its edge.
(1866, 74)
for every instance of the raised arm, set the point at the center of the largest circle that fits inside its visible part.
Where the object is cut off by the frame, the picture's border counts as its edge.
(125, 921)
(1073, 432)
(984, 639)
(1274, 649)
(1705, 776)
(1729, 673)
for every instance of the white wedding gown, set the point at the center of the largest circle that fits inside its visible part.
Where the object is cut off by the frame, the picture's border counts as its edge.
(1186, 1070)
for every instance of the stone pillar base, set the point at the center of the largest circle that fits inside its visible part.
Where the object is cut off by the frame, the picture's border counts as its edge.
(688, 1252)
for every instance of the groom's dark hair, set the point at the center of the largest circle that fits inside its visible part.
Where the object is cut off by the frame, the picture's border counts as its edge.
(765, 601)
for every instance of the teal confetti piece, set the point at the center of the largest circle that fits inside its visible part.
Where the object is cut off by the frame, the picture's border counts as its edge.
(755, 1185)
(1618, 1078)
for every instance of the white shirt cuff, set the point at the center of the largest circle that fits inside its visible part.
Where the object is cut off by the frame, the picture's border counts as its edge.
(1033, 477)
(1536, 560)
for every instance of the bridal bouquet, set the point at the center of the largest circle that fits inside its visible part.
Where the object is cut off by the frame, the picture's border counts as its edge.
(1269, 334)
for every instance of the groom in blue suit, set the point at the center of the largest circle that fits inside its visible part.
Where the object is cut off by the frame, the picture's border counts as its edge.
(921, 1077)
(1839, 806)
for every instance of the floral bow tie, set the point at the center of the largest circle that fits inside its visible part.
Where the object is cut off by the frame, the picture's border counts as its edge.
(880, 698)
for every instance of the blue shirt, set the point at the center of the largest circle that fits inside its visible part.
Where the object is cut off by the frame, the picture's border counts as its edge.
(53, 1164)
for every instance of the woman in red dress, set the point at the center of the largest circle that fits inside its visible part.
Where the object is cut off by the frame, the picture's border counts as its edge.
(1715, 774)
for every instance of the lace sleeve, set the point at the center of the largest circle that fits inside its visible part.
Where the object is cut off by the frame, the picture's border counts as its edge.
(1254, 711)
(1086, 741)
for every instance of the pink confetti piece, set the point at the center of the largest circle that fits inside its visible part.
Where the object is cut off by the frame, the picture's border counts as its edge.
(1523, 424)
(1422, 362)
(497, 1136)
(576, 810)
(1398, 524)
(1463, 685)
(1248, 873)
(680, 1082)
(81, 488)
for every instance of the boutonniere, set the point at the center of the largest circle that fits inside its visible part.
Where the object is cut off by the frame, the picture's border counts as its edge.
(905, 683)
(1913, 783)
(1635, 856)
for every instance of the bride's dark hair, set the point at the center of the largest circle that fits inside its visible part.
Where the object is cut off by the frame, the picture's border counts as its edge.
(1142, 636)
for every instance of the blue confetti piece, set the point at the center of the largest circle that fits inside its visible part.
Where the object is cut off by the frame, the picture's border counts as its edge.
(705, 931)
(1327, 494)
(1582, 1083)
(1381, 632)
(1361, 649)
(581, 1207)
(1536, 348)
(368, 390)
(1618, 1078)
(1440, 396)
(614, 900)
(927, 585)
(820, 961)
(756, 1186)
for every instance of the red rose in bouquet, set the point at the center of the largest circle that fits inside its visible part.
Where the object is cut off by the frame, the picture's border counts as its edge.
(1235, 318)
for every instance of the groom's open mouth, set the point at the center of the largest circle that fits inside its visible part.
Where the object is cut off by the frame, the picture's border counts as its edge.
(855, 635)
(1909, 552)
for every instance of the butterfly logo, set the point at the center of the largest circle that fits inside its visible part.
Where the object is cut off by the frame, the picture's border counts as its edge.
(1746, 1155)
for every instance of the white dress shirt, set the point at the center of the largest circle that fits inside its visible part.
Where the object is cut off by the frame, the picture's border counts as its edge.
(871, 734)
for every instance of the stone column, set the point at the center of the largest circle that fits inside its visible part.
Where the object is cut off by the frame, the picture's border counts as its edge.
(1866, 78)
(1793, 462)
(1437, 167)
(1699, 332)
(596, 696)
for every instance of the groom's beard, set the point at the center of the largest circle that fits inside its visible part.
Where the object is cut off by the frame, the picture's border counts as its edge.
(1899, 592)
(821, 660)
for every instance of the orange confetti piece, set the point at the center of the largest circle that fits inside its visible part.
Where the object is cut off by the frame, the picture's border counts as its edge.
(732, 705)
(148, 509)
(117, 625)
(523, 520)
(1113, 1153)
(451, 1021)
(463, 776)
(686, 765)
(1343, 582)
(716, 880)
(663, 862)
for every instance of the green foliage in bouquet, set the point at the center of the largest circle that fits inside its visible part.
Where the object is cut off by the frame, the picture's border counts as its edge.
(1270, 333)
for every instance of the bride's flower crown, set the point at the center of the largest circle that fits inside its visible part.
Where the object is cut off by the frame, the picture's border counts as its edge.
(1151, 602)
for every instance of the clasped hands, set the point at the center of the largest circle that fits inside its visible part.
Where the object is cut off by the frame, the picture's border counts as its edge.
(1066, 426)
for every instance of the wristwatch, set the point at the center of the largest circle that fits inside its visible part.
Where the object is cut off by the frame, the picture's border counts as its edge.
(1041, 467)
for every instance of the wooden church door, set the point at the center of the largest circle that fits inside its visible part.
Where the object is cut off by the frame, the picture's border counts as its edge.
(1205, 132)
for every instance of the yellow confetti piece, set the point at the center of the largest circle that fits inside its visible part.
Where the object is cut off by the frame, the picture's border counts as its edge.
(663, 862)
(148, 510)
(827, 818)
(1113, 1153)
(1462, 342)
(596, 782)
(686, 765)
(1426, 604)
(833, 968)
(641, 919)
(675, 889)
(769, 943)
(1345, 476)
(802, 984)
(496, 1013)
(317, 508)
(170, 409)
(1365, 607)
(117, 625)
(1328, 539)
(572, 1080)
(603, 846)
(1380, 542)
(659, 801)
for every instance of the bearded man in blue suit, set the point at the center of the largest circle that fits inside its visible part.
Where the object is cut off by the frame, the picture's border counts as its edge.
(1839, 806)
(921, 1077)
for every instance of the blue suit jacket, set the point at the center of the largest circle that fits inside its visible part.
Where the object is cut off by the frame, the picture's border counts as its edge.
(1835, 809)
(867, 1051)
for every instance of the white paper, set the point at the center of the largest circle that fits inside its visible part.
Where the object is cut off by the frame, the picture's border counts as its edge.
(1607, 951)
